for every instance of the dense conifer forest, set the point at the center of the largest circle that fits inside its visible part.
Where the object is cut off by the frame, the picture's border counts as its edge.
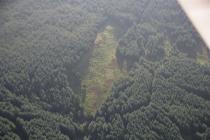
(102, 70)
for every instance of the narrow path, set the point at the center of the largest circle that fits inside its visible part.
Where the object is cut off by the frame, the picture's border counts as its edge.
(102, 72)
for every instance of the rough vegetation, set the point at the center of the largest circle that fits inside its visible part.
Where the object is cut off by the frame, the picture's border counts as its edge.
(103, 70)
(45, 84)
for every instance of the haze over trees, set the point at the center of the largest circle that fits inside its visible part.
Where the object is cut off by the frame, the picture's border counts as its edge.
(47, 49)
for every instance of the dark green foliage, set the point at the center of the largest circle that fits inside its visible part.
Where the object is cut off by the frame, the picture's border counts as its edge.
(44, 43)
(157, 104)
(41, 44)
(160, 21)
(25, 120)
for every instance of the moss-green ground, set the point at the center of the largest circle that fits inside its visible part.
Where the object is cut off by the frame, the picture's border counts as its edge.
(102, 72)
(203, 57)
(168, 48)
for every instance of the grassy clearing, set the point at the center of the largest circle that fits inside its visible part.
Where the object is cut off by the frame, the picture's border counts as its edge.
(203, 57)
(103, 71)
(168, 48)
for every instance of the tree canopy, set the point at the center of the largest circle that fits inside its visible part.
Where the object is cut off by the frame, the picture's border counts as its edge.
(44, 53)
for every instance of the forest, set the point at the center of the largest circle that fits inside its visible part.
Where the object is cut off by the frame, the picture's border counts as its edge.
(102, 70)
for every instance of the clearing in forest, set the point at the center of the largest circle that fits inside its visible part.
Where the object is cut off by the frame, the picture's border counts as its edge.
(102, 72)
(203, 57)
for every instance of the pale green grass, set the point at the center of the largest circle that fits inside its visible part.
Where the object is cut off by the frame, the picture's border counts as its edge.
(203, 58)
(168, 48)
(103, 71)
